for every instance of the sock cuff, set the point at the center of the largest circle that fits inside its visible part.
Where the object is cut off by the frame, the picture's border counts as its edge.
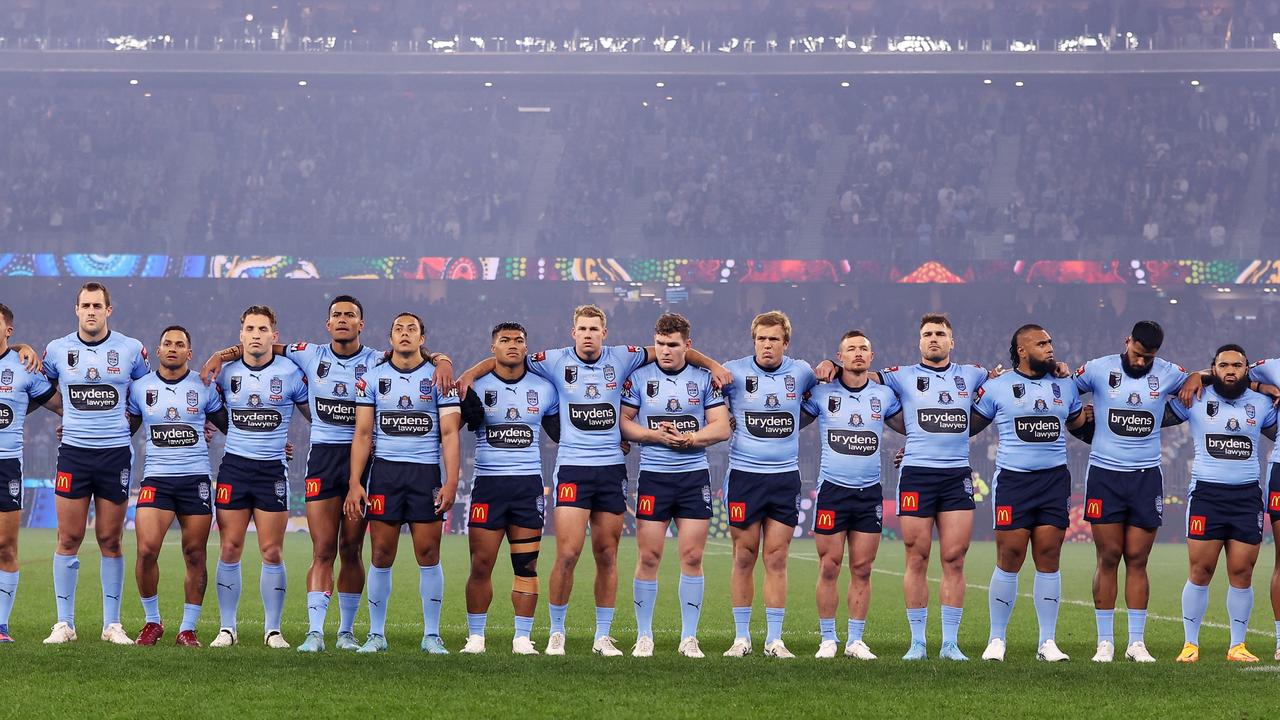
(1003, 575)
(6, 575)
(228, 566)
(1049, 576)
(950, 609)
(273, 569)
(429, 568)
(554, 606)
(375, 570)
(150, 599)
(692, 579)
(1136, 613)
(1233, 590)
(647, 584)
(348, 596)
(1198, 588)
(774, 611)
(477, 616)
(109, 560)
(917, 613)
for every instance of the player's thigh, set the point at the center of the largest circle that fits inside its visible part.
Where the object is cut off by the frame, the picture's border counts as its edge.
(777, 537)
(1108, 540)
(484, 544)
(651, 537)
(323, 519)
(426, 541)
(692, 537)
(830, 547)
(863, 548)
(1202, 559)
(73, 515)
(270, 527)
(571, 530)
(384, 540)
(233, 525)
(1138, 543)
(606, 532)
(150, 526)
(9, 524)
(108, 517)
(955, 530)
(917, 534)
(1046, 547)
(1241, 557)
(746, 539)
(195, 533)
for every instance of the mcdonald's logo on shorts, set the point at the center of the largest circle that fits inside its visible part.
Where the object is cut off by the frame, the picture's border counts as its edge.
(146, 496)
(826, 520)
(1093, 508)
(313, 487)
(224, 494)
(377, 504)
(909, 501)
(737, 512)
(479, 512)
(644, 505)
(1274, 502)
(567, 492)
(63, 483)
(1004, 515)
(1195, 525)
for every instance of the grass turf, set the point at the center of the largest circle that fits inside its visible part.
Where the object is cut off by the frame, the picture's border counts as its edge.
(90, 677)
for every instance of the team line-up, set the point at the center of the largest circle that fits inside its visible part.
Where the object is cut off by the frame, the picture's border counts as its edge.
(384, 452)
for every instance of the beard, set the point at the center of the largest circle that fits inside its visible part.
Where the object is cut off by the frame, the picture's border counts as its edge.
(1040, 368)
(1230, 391)
(1130, 370)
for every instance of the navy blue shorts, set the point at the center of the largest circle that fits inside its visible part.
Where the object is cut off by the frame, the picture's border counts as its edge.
(181, 494)
(328, 470)
(247, 484)
(662, 496)
(1273, 493)
(602, 489)
(1217, 511)
(1026, 500)
(752, 497)
(1131, 497)
(926, 492)
(403, 492)
(100, 472)
(10, 484)
(844, 509)
(500, 501)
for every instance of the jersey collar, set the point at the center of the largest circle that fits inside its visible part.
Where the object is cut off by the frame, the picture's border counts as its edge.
(94, 343)
(860, 388)
(1030, 377)
(359, 349)
(768, 372)
(588, 363)
(411, 370)
(670, 373)
(506, 381)
(173, 382)
(257, 368)
(939, 370)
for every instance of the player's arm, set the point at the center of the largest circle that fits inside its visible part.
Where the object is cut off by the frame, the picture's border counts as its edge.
(633, 431)
(1076, 420)
(472, 410)
(551, 426)
(806, 419)
(468, 378)
(1174, 414)
(209, 371)
(896, 423)
(977, 422)
(1083, 430)
(361, 447)
(717, 429)
(981, 412)
(28, 355)
(218, 418)
(304, 409)
(50, 400)
(135, 422)
(720, 377)
(451, 453)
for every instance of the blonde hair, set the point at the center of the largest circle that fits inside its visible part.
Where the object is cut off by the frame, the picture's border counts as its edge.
(590, 311)
(773, 318)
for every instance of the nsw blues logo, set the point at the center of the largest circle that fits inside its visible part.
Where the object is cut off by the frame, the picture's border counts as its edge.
(673, 405)
(959, 381)
(6, 377)
(531, 397)
(277, 386)
(790, 382)
(610, 374)
(405, 402)
(1057, 391)
(944, 397)
(113, 359)
(361, 369)
(1153, 382)
(1249, 411)
(339, 389)
(691, 387)
(771, 401)
(424, 387)
(875, 405)
(193, 398)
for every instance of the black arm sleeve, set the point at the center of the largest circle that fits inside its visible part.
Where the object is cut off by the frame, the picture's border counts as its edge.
(1170, 418)
(472, 411)
(1084, 433)
(977, 422)
(218, 419)
(551, 426)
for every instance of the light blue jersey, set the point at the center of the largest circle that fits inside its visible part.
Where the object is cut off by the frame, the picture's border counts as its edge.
(935, 411)
(407, 407)
(508, 439)
(173, 414)
(1267, 371)
(680, 398)
(766, 407)
(851, 423)
(94, 381)
(1031, 415)
(331, 386)
(1227, 434)
(260, 403)
(1127, 411)
(18, 389)
(589, 396)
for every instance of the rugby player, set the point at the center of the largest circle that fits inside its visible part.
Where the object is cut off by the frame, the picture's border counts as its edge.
(672, 409)
(413, 424)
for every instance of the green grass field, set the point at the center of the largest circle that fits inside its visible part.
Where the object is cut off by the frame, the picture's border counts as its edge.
(92, 678)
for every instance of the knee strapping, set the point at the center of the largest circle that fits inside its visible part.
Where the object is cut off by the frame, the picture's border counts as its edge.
(524, 563)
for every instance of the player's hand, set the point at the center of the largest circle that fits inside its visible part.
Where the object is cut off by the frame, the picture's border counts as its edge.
(357, 498)
(463, 383)
(826, 371)
(1088, 413)
(672, 438)
(897, 458)
(1270, 391)
(58, 431)
(721, 377)
(208, 431)
(1192, 389)
(626, 447)
(996, 371)
(1061, 370)
(209, 372)
(288, 451)
(29, 357)
(444, 501)
(444, 377)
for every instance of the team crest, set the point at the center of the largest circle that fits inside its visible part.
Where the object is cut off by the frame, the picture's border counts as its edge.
(15, 487)
(541, 503)
(255, 400)
(691, 387)
(1041, 405)
(384, 386)
(235, 384)
(1233, 425)
(771, 401)
(875, 406)
(1134, 399)
(152, 397)
(322, 370)
(203, 490)
(424, 387)
(339, 389)
(879, 513)
(193, 398)
(91, 374)
(277, 386)
(1057, 391)
(282, 488)
(959, 381)
(833, 404)
(673, 405)
(610, 374)
(124, 478)
(753, 384)
(706, 493)
(405, 402)
(944, 397)
(570, 374)
(922, 383)
(490, 398)
(968, 486)
(1249, 411)
(855, 420)
(1113, 379)
(1019, 390)
(531, 397)
(73, 358)
(1153, 382)
(513, 414)
(361, 369)
(6, 377)
(593, 391)
(171, 414)
(651, 388)
(1211, 408)
(113, 358)
(790, 382)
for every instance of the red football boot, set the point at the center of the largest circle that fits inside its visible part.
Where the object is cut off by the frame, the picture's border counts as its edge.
(187, 638)
(151, 632)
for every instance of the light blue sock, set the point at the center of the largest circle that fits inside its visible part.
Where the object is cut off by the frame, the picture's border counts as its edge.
(1105, 621)
(773, 618)
(1137, 624)
(66, 572)
(111, 573)
(827, 626)
(1239, 607)
(918, 619)
(691, 588)
(190, 617)
(557, 613)
(476, 623)
(1195, 600)
(379, 591)
(8, 589)
(317, 609)
(856, 628)
(431, 588)
(227, 576)
(646, 594)
(1001, 597)
(742, 622)
(271, 586)
(604, 621)
(1278, 634)
(951, 617)
(348, 606)
(1047, 591)
(524, 626)
(151, 608)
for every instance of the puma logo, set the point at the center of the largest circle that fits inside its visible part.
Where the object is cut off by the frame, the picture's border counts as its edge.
(224, 585)
(63, 597)
(1053, 600)
(1006, 602)
(6, 592)
(695, 606)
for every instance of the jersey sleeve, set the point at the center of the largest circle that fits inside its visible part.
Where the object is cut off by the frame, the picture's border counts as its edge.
(633, 355)
(1272, 415)
(1265, 372)
(133, 407)
(1179, 410)
(1073, 404)
(367, 386)
(552, 405)
(443, 399)
(985, 404)
(711, 397)
(893, 406)
(212, 401)
(1083, 379)
(810, 405)
(1175, 376)
(629, 394)
(977, 376)
(301, 354)
(543, 363)
(50, 369)
(140, 366)
(890, 379)
(806, 379)
(39, 388)
(301, 392)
